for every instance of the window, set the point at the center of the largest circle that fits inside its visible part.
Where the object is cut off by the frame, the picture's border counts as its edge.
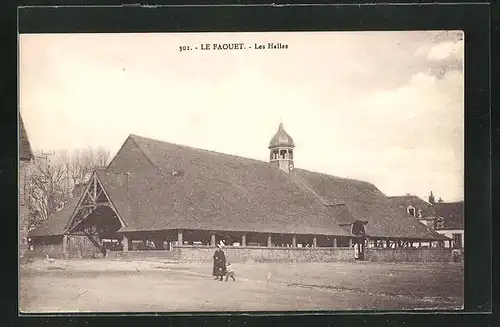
(457, 240)
(411, 210)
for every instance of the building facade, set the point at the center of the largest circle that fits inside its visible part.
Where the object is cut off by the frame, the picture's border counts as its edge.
(25, 167)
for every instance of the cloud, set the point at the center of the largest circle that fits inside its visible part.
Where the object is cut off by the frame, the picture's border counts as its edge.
(443, 57)
(446, 50)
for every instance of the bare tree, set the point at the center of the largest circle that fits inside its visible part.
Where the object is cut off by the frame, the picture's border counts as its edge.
(81, 163)
(53, 179)
(46, 189)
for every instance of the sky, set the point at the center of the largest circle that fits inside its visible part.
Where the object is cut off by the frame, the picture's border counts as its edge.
(384, 107)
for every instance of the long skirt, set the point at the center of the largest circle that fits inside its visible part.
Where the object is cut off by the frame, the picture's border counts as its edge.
(218, 269)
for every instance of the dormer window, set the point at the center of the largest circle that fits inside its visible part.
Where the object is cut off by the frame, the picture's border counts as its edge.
(358, 228)
(410, 210)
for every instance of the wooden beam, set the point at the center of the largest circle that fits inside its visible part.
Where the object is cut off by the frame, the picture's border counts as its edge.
(244, 240)
(315, 242)
(334, 242)
(294, 241)
(94, 188)
(87, 206)
(212, 240)
(269, 241)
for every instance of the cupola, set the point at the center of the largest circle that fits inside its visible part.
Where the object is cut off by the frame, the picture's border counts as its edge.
(281, 150)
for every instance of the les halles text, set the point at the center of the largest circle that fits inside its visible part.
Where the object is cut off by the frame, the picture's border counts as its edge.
(235, 46)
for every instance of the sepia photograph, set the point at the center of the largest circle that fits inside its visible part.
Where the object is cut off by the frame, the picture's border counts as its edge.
(241, 171)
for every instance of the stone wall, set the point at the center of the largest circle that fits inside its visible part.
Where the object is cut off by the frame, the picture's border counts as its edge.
(264, 254)
(408, 255)
(140, 255)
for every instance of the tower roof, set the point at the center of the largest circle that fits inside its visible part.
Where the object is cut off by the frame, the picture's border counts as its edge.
(281, 138)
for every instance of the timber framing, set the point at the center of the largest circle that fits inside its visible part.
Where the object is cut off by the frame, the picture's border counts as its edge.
(93, 197)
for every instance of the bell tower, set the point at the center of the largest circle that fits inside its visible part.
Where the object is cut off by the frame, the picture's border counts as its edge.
(281, 150)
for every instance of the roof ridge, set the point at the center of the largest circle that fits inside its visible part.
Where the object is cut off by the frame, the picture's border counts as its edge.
(135, 137)
(199, 149)
(304, 186)
(143, 151)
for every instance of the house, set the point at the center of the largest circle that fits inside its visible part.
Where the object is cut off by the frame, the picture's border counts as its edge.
(446, 218)
(416, 207)
(165, 193)
(452, 214)
(26, 160)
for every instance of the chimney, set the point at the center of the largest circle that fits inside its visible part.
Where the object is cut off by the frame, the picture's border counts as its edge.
(431, 198)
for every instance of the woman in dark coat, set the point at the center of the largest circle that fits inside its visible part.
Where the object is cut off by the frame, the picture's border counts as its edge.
(219, 268)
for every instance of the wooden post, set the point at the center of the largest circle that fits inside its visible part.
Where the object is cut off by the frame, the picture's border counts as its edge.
(334, 242)
(294, 241)
(212, 240)
(179, 238)
(269, 241)
(65, 245)
(350, 242)
(244, 240)
(315, 242)
(125, 243)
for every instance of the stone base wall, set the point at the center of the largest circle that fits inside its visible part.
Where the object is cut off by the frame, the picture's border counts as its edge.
(264, 254)
(140, 255)
(409, 255)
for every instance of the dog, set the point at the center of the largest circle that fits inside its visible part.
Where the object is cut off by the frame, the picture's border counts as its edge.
(230, 272)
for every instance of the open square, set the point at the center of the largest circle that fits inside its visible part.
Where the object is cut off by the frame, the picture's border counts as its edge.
(159, 286)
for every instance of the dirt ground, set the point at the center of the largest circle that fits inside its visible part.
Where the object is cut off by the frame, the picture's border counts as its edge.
(150, 286)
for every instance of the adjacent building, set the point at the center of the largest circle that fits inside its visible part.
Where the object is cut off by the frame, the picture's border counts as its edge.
(446, 218)
(25, 166)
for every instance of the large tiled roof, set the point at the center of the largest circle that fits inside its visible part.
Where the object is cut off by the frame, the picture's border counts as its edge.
(157, 185)
(199, 189)
(25, 152)
(367, 203)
